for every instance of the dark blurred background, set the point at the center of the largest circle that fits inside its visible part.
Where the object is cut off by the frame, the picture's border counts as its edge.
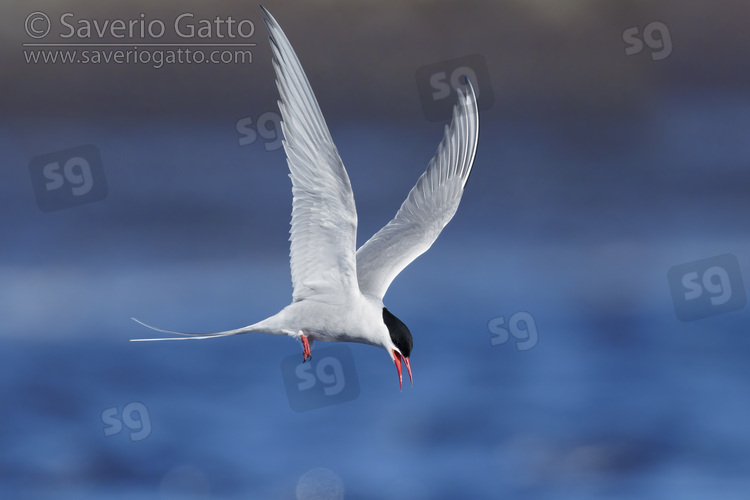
(613, 147)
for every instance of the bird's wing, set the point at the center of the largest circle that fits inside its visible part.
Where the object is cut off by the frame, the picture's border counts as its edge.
(429, 206)
(324, 218)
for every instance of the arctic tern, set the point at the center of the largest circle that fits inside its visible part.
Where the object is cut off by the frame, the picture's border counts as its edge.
(338, 290)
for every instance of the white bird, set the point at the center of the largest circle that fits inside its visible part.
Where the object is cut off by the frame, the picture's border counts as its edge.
(338, 290)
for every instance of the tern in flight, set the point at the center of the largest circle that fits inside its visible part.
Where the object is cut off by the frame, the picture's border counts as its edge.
(338, 290)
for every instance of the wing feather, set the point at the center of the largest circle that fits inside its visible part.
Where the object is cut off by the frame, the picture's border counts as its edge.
(324, 217)
(430, 205)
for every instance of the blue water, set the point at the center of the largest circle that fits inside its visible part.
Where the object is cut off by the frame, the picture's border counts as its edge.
(575, 222)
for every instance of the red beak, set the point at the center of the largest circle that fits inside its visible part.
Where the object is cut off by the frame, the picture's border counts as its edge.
(398, 359)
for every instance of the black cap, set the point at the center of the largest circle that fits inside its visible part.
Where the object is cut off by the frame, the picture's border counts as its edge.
(400, 334)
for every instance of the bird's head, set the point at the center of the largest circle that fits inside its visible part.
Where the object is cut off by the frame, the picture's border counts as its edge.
(400, 343)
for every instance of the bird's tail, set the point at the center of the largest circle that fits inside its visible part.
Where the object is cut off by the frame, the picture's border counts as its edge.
(196, 336)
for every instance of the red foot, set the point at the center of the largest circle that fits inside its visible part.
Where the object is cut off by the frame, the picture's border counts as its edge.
(305, 349)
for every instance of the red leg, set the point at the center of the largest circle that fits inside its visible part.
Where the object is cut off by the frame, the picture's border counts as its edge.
(305, 349)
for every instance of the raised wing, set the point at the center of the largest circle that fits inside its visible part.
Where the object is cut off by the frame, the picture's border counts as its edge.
(429, 206)
(324, 218)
